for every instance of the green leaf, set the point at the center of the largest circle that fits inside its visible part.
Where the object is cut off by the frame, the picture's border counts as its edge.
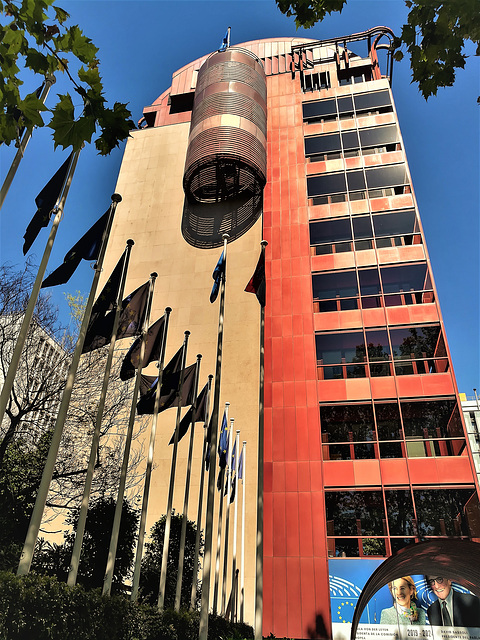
(37, 61)
(82, 47)
(30, 107)
(68, 131)
(60, 14)
(92, 78)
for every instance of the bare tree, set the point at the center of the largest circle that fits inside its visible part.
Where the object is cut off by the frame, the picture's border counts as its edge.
(31, 412)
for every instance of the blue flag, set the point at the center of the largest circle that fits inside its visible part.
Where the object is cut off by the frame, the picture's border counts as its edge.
(224, 45)
(223, 443)
(240, 466)
(217, 277)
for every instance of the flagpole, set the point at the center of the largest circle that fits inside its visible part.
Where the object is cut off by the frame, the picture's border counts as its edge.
(181, 555)
(82, 518)
(49, 81)
(36, 519)
(227, 521)
(27, 318)
(235, 524)
(193, 596)
(207, 559)
(168, 521)
(148, 472)
(259, 553)
(242, 561)
(219, 531)
(112, 551)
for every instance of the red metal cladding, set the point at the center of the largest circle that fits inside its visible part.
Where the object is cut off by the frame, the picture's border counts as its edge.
(227, 144)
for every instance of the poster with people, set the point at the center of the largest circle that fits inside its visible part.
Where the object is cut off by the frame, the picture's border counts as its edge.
(410, 607)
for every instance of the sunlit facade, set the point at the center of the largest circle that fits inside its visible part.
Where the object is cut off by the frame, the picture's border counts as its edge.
(365, 447)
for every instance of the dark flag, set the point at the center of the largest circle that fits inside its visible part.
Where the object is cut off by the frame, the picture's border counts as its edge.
(170, 385)
(256, 284)
(232, 467)
(132, 315)
(146, 383)
(99, 331)
(46, 201)
(152, 350)
(87, 248)
(232, 494)
(200, 414)
(217, 276)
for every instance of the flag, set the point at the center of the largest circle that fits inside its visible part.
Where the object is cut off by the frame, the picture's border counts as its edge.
(224, 44)
(98, 332)
(46, 201)
(217, 276)
(170, 387)
(209, 439)
(152, 350)
(100, 329)
(223, 442)
(240, 466)
(87, 248)
(132, 315)
(200, 414)
(256, 284)
(146, 383)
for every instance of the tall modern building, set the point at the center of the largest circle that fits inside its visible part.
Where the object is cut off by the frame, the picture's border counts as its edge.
(297, 142)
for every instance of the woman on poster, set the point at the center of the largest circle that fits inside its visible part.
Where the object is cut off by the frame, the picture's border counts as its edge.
(404, 610)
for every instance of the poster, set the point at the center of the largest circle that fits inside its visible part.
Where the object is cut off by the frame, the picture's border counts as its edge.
(347, 579)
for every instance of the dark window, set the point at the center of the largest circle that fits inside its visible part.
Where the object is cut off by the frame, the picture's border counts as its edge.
(341, 284)
(369, 282)
(362, 227)
(413, 277)
(330, 231)
(354, 513)
(417, 342)
(356, 180)
(350, 140)
(181, 102)
(389, 176)
(323, 185)
(378, 137)
(335, 348)
(378, 347)
(318, 109)
(388, 421)
(435, 419)
(397, 223)
(347, 423)
(400, 512)
(322, 144)
(345, 104)
(364, 101)
(447, 512)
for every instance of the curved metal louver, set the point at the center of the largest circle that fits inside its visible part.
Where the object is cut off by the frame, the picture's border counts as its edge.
(225, 168)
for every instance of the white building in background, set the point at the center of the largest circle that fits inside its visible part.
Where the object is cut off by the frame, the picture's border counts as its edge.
(471, 414)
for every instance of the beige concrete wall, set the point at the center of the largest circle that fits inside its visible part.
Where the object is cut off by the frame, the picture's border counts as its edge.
(150, 182)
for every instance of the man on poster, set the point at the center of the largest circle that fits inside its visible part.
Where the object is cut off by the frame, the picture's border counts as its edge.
(452, 607)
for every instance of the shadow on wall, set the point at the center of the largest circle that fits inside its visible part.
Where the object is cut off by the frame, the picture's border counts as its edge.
(319, 631)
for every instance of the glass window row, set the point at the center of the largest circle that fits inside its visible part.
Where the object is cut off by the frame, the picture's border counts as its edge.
(409, 428)
(385, 229)
(374, 287)
(382, 351)
(352, 143)
(388, 176)
(417, 512)
(347, 106)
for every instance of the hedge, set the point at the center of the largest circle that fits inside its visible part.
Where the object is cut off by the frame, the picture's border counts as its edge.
(41, 608)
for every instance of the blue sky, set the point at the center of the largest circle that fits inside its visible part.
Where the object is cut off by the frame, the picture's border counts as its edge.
(143, 42)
